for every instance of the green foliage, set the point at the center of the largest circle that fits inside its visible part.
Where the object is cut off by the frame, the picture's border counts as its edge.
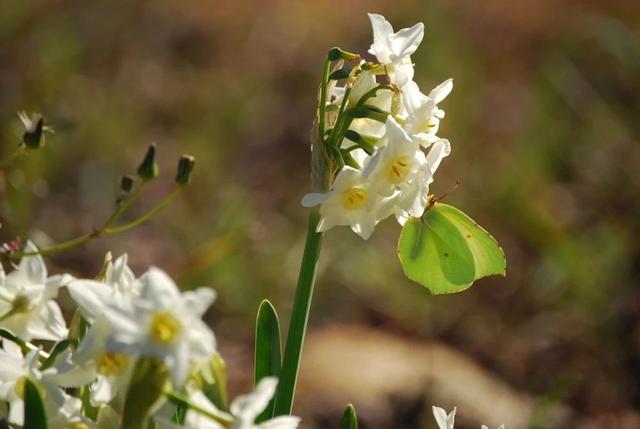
(35, 416)
(268, 353)
(446, 251)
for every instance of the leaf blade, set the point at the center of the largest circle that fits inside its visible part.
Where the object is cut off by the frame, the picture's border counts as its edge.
(35, 416)
(268, 351)
(349, 418)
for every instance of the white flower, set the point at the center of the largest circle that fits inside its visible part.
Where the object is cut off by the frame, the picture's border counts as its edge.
(396, 162)
(108, 371)
(394, 50)
(244, 410)
(444, 421)
(27, 306)
(163, 323)
(424, 116)
(349, 202)
(119, 288)
(15, 369)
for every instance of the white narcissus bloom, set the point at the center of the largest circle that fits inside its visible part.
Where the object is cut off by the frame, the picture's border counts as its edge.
(163, 323)
(424, 116)
(395, 163)
(394, 50)
(244, 410)
(444, 421)
(27, 306)
(412, 199)
(349, 202)
(109, 372)
(15, 369)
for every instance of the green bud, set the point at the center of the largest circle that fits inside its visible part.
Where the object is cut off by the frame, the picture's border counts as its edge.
(336, 54)
(33, 138)
(126, 183)
(340, 74)
(371, 112)
(148, 170)
(185, 168)
(364, 143)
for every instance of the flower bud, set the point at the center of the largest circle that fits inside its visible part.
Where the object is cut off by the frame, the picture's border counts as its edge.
(185, 168)
(32, 136)
(336, 53)
(148, 170)
(126, 183)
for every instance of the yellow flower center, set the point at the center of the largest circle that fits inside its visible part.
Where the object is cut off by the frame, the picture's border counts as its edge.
(354, 198)
(428, 126)
(164, 327)
(19, 387)
(398, 170)
(20, 304)
(112, 364)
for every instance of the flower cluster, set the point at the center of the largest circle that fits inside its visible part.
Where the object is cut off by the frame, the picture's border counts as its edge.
(123, 325)
(386, 134)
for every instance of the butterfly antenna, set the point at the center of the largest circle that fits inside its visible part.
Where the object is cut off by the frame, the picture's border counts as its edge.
(450, 190)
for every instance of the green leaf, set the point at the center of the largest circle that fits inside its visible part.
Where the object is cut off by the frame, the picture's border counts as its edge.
(349, 418)
(268, 358)
(446, 251)
(57, 349)
(35, 416)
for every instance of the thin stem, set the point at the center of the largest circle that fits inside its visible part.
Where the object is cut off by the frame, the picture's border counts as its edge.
(323, 96)
(299, 318)
(106, 228)
(6, 161)
(219, 416)
(145, 217)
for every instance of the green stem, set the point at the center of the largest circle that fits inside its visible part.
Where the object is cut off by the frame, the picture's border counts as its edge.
(299, 318)
(106, 228)
(145, 217)
(323, 96)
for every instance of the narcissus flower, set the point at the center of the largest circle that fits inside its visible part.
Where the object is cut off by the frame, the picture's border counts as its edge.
(424, 116)
(394, 50)
(27, 306)
(163, 323)
(349, 202)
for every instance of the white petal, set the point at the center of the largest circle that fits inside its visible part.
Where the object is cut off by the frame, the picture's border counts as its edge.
(282, 422)
(48, 323)
(91, 296)
(159, 288)
(382, 35)
(313, 199)
(441, 417)
(247, 407)
(199, 300)
(33, 267)
(439, 150)
(407, 40)
(441, 91)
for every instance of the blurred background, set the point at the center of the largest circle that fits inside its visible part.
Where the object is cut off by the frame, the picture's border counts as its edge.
(544, 126)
